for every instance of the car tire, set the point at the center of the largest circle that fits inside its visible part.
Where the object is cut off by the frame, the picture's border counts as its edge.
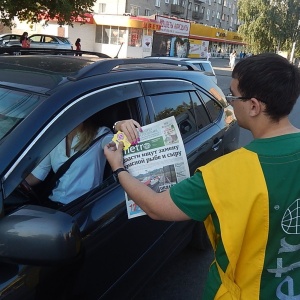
(200, 240)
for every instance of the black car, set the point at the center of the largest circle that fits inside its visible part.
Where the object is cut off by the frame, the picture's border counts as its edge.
(89, 249)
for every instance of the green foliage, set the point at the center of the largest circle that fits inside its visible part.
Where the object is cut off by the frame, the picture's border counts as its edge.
(64, 11)
(270, 25)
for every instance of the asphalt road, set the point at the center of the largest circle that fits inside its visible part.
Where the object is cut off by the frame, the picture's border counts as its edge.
(184, 277)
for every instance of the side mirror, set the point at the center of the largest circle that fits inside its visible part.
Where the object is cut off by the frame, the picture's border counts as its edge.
(40, 236)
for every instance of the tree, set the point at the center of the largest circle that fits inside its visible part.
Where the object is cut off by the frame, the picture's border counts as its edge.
(269, 25)
(64, 11)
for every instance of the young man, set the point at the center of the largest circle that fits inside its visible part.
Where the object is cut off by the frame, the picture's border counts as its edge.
(251, 217)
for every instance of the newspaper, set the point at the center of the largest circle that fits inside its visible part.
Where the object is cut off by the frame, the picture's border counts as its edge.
(158, 160)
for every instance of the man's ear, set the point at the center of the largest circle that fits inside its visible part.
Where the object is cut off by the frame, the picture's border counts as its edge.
(256, 107)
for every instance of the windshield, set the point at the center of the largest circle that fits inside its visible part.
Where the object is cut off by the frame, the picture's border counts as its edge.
(14, 107)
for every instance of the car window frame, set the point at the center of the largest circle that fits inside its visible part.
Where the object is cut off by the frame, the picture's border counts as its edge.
(30, 157)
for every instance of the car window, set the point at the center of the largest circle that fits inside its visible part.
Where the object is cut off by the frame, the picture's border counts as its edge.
(212, 105)
(201, 116)
(35, 38)
(178, 105)
(49, 39)
(14, 107)
(63, 39)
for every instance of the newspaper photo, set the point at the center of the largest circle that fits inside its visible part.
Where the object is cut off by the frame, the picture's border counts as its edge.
(158, 160)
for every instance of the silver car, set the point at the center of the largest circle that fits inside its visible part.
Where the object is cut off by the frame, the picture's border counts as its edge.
(6, 39)
(39, 41)
(49, 41)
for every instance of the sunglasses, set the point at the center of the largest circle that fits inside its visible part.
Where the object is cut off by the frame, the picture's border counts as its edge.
(230, 98)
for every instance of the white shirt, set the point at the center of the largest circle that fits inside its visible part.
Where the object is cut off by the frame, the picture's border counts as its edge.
(84, 174)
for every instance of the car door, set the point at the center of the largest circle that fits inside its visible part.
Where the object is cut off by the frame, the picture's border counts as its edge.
(202, 137)
(116, 250)
(37, 41)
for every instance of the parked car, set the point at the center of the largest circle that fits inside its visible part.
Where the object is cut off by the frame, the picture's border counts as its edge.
(41, 41)
(6, 39)
(201, 64)
(89, 249)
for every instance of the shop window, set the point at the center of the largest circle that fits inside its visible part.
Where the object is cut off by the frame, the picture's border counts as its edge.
(106, 34)
(135, 37)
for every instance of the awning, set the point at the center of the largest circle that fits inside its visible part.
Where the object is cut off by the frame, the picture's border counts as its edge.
(206, 38)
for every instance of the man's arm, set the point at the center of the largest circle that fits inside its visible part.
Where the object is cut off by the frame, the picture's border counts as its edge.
(158, 206)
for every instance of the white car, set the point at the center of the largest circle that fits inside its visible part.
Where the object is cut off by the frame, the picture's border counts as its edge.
(41, 41)
(201, 64)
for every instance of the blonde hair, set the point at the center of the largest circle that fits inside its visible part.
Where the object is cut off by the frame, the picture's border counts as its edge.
(86, 132)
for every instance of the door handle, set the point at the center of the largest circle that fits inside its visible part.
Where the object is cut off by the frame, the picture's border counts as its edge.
(216, 146)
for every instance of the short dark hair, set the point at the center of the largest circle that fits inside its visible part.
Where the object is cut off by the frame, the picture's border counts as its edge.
(270, 78)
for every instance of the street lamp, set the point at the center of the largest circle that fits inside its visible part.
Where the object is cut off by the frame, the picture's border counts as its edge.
(294, 44)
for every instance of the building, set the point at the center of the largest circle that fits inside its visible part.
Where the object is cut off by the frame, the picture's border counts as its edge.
(212, 24)
(139, 28)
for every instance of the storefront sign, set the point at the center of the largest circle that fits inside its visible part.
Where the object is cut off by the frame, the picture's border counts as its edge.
(152, 26)
(173, 27)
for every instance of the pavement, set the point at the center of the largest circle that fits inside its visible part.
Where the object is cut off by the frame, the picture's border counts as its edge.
(221, 66)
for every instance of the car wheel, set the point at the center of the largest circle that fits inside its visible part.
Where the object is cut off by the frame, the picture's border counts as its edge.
(200, 240)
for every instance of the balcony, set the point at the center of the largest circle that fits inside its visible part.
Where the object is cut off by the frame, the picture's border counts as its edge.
(177, 9)
(197, 15)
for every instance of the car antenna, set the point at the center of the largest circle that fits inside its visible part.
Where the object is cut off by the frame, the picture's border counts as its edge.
(119, 50)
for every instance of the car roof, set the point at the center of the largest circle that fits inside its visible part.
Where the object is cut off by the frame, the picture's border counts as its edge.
(202, 60)
(49, 71)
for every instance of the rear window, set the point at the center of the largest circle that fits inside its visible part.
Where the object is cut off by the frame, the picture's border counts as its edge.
(64, 40)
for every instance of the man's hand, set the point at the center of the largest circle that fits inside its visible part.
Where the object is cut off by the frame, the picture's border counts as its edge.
(130, 128)
(114, 155)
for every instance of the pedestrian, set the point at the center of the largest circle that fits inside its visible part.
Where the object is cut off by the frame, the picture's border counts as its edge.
(25, 42)
(232, 58)
(241, 54)
(78, 47)
(249, 199)
(208, 55)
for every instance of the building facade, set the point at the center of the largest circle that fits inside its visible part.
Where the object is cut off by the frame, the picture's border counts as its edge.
(140, 28)
(216, 13)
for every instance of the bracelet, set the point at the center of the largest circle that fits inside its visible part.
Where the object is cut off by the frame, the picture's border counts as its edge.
(114, 126)
(116, 173)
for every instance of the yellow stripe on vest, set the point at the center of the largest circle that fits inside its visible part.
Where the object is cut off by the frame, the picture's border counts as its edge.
(236, 186)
